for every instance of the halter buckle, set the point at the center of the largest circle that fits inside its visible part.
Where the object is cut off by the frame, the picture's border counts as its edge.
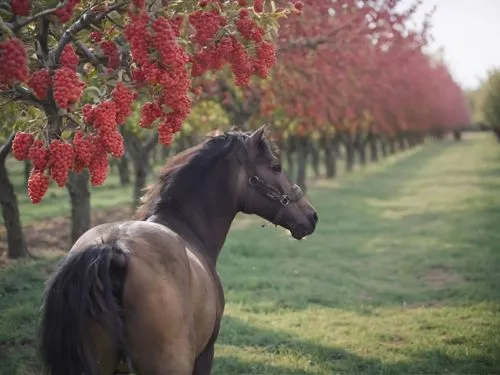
(284, 200)
(253, 180)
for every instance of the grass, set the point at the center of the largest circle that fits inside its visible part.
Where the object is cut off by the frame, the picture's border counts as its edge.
(401, 277)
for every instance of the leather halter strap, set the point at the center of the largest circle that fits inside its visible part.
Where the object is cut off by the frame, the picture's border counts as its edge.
(268, 191)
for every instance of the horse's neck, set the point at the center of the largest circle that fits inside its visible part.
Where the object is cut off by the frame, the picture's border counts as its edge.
(204, 220)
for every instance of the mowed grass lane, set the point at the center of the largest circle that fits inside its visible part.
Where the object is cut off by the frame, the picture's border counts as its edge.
(400, 277)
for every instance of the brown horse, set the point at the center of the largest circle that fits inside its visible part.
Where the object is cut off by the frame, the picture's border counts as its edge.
(147, 291)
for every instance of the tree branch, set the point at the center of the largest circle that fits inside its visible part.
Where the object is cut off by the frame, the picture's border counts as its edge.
(24, 95)
(7, 146)
(90, 55)
(19, 25)
(85, 21)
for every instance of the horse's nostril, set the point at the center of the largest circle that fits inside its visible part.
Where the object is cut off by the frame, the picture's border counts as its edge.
(315, 217)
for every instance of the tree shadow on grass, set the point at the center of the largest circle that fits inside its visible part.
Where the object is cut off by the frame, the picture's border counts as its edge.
(325, 359)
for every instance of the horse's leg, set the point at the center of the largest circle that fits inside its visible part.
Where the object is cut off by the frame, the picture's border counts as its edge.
(158, 323)
(203, 364)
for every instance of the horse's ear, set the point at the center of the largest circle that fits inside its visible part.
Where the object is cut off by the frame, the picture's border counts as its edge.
(256, 137)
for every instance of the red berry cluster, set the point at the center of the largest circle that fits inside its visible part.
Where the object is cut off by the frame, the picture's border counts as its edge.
(110, 50)
(248, 28)
(40, 83)
(61, 158)
(149, 113)
(95, 36)
(206, 25)
(21, 7)
(160, 61)
(39, 155)
(38, 184)
(137, 34)
(21, 145)
(64, 14)
(98, 166)
(68, 57)
(266, 58)
(67, 87)
(105, 118)
(13, 62)
(123, 98)
(258, 6)
(83, 151)
(164, 42)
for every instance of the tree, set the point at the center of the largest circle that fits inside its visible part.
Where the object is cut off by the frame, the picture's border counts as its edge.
(16, 242)
(85, 63)
(89, 62)
(490, 101)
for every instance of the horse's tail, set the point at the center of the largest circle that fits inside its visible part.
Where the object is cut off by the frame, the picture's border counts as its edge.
(87, 286)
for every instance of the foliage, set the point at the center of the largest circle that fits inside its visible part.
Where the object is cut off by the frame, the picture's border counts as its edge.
(84, 63)
(357, 66)
(490, 99)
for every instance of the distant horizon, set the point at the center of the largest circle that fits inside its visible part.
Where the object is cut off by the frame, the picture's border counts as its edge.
(467, 32)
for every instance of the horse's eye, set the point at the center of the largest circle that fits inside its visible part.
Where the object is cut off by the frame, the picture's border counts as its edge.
(276, 167)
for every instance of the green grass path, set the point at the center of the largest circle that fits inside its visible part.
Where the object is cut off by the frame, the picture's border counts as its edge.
(401, 277)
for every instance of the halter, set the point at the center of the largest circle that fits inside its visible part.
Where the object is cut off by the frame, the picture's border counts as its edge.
(268, 191)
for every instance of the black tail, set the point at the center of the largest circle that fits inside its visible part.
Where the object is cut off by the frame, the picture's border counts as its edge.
(87, 284)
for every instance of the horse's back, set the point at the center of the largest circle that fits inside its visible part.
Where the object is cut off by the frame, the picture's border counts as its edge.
(169, 297)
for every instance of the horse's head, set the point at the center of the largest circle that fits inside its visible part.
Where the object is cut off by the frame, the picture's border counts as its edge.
(268, 192)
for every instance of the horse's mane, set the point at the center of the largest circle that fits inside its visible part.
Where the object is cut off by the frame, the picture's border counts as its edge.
(185, 171)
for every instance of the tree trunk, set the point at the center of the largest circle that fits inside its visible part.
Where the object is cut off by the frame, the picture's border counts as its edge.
(392, 146)
(373, 148)
(79, 193)
(302, 151)
(141, 177)
(401, 142)
(140, 152)
(497, 133)
(314, 150)
(16, 242)
(383, 148)
(361, 147)
(457, 135)
(349, 153)
(330, 157)
(124, 171)
(290, 150)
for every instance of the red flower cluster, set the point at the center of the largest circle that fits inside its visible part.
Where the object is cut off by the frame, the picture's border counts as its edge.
(14, 62)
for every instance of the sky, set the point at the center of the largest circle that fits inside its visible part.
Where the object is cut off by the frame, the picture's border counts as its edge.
(469, 32)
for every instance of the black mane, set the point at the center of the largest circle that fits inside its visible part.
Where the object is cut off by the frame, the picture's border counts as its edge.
(186, 171)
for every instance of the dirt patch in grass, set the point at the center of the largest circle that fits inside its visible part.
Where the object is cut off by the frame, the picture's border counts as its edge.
(52, 234)
(439, 277)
